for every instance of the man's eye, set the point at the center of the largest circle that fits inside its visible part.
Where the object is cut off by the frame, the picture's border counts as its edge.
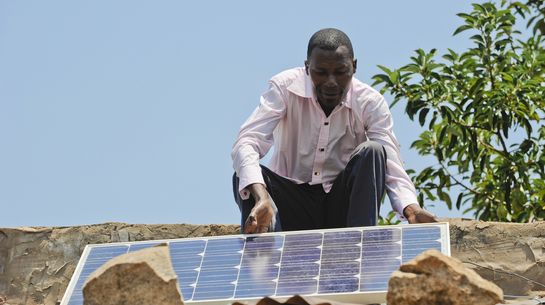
(319, 72)
(341, 72)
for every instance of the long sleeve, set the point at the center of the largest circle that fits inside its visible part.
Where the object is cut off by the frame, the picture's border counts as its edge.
(256, 137)
(379, 127)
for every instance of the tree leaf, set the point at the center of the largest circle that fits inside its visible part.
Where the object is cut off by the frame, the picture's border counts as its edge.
(462, 29)
(459, 201)
(422, 116)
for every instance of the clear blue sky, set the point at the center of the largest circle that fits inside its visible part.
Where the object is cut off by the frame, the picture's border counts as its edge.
(127, 110)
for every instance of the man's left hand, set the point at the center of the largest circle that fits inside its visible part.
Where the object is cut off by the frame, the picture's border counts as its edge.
(415, 214)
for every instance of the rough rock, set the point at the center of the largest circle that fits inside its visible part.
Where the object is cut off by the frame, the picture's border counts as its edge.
(434, 278)
(142, 277)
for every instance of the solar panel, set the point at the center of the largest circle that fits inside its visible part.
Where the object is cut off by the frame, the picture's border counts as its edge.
(346, 265)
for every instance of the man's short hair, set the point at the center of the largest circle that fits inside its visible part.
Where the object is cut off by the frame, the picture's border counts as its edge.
(329, 39)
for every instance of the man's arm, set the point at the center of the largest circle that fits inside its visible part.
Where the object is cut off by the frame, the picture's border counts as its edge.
(401, 190)
(253, 142)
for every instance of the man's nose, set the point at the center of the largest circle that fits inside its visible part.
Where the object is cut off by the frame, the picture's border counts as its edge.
(331, 81)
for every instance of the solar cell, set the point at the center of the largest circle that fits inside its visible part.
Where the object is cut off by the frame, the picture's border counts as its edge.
(348, 265)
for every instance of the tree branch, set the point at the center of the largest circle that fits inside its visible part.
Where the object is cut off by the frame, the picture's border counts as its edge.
(471, 190)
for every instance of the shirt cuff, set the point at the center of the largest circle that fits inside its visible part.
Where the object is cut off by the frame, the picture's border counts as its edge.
(401, 204)
(248, 175)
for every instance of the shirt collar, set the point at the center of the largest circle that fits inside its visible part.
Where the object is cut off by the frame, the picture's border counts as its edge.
(302, 86)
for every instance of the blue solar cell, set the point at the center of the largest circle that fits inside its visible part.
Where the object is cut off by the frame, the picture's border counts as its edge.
(296, 286)
(256, 282)
(340, 265)
(213, 291)
(188, 247)
(299, 268)
(339, 284)
(224, 246)
(339, 268)
(255, 289)
(186, 259)
(381, 250)
(342, 238)
(430, 244)
(376, 272)
(377, 236)
(418, 239)
(341, 253)
(411, 253)
(219, 269)
(258, 273)
(301, 255)
(421, 233)
(259, 268)
(379, 266)
(264, 242)
(216, 261)
(183, 274)
(136, 247)
(303, 240)
(262, 257)
(187, 262)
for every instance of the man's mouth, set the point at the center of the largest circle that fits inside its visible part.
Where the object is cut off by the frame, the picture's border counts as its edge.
(331, 94)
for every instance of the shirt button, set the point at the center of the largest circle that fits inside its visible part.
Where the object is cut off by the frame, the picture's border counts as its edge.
(322, 149)
(326, 123)
(316, 173)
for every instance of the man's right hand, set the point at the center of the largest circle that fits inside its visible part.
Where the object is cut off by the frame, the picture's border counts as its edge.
(262, 214)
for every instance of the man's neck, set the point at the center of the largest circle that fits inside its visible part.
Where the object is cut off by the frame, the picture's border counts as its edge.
(327, 110)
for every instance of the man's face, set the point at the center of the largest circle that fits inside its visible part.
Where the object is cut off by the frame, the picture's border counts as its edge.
(331, 73)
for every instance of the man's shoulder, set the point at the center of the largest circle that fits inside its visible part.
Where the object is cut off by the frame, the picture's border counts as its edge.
(287, 77)
(363, 93)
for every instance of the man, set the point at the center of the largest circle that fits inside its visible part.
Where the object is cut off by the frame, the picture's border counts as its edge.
(335, 151)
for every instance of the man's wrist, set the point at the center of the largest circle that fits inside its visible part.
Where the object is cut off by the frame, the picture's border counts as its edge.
(259, 191)
(411, 210)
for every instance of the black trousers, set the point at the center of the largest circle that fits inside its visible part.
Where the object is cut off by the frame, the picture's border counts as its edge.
(354, 199)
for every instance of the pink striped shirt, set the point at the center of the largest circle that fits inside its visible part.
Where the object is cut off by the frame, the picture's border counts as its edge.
(312, 148)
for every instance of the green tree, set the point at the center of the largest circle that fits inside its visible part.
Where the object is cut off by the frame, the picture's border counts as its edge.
(483, 109)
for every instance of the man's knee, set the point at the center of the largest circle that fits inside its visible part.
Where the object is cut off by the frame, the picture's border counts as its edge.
(369, 147)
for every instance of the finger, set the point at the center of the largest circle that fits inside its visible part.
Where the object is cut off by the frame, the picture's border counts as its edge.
(263, 229)
(251, 225)
(426, 217)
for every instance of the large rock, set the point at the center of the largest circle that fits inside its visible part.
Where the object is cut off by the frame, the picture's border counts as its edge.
(142, 277)
(433, 278)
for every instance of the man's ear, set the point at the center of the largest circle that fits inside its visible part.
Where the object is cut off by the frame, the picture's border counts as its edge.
(355, 64)
(306, 66)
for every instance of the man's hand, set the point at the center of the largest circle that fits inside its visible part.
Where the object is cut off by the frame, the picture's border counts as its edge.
(415, 214)
(262, 214)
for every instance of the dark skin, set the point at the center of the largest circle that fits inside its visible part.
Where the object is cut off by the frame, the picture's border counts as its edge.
(331, 73)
